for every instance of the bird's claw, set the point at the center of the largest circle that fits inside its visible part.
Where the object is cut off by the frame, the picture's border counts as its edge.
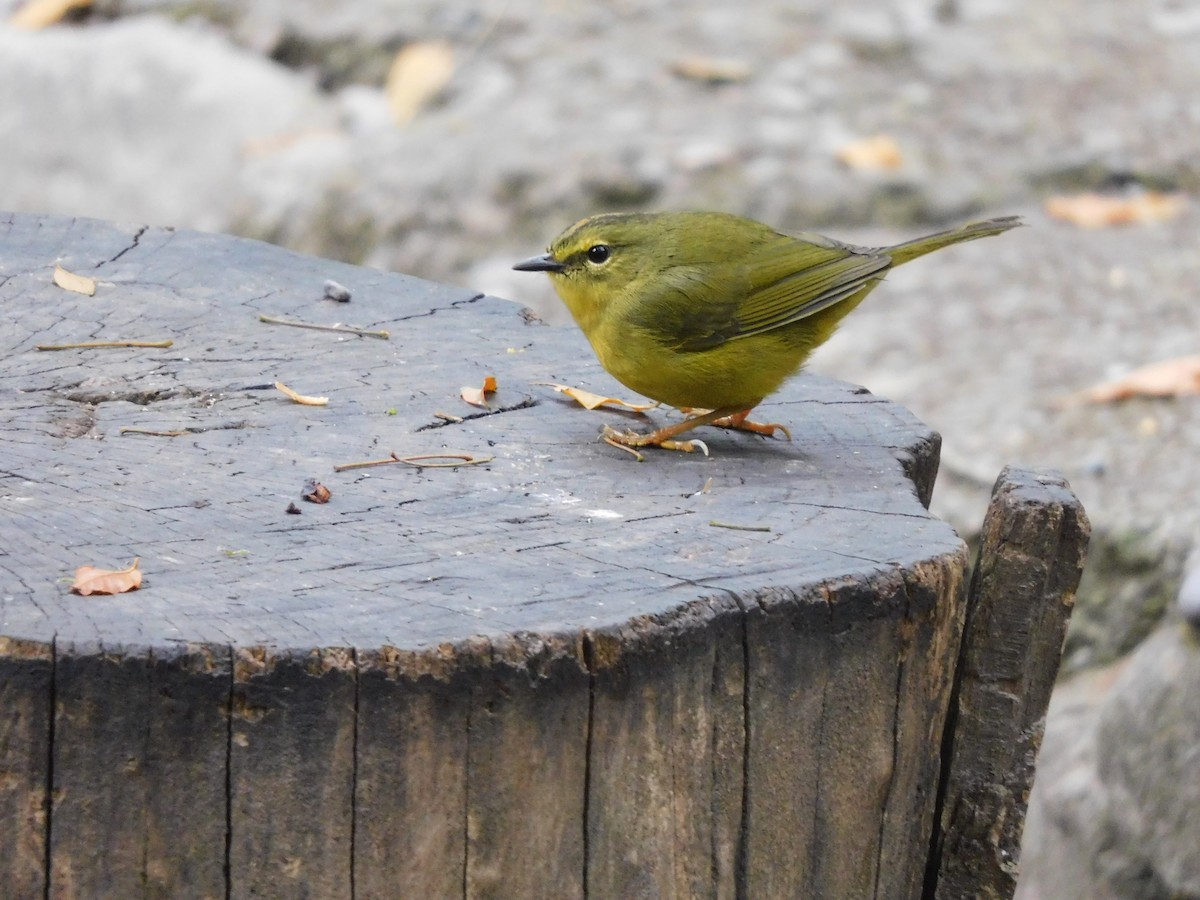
(629, 441)
(741, 423)
(688, 446)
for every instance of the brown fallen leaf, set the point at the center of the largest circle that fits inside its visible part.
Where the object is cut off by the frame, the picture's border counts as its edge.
(877, 153)
(69, 281)
(588, 400)
(708, 70)
(300, 398)
(1169, 378)
(478, 396)
(90, 580)
(315, 492)
(1092, 210)
(419, 72)
(41, 13)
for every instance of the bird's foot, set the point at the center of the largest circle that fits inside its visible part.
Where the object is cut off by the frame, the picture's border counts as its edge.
(630, 441)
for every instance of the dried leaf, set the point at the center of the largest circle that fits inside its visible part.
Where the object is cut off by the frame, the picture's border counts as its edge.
(877, 153)
(418, 74)
(41, 13)
(69, 281)
(711, 71)
(478, 396)
(588, 400)
(1170, 378)
(90, 580)
(1092, 210)
(315, 492)
(300, 398)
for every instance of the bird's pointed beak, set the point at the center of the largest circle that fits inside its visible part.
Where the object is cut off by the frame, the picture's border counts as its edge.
(543, 263)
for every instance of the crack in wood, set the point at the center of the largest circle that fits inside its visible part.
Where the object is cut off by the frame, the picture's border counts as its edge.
(527, 403)
(742, 874)
(895, 763)
(227, 863)
(589, 663)
(136, 240)
(48, 800)
(356, 673)
(140, 398)
(435, 310)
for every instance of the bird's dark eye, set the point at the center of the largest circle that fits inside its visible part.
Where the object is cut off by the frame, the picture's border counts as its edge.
(598, 253)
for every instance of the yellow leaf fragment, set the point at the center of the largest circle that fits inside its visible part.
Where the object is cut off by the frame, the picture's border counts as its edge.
(90, 580)
(1092, 210)
(69, 281)
(877, 153)
(41, 13)
(478, 396)
(588, 400)
(300, 398)
(419, 72)
(1169, 378)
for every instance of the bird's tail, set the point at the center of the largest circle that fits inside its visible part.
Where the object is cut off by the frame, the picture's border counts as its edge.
(909, 250)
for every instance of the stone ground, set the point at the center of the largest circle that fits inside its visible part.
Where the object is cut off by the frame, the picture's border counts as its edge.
(267, 119)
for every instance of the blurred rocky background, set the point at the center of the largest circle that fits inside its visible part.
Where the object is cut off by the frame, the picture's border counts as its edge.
(449, 139)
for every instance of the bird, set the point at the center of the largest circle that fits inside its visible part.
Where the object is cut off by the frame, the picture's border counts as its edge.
(712, 312)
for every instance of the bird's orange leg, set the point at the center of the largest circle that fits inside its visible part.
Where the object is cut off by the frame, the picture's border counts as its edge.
(739, 421)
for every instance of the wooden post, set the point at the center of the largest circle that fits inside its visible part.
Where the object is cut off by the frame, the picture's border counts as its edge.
(1031, 555)
(556, 673)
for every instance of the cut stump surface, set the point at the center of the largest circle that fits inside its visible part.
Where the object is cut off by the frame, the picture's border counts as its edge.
(557, 673)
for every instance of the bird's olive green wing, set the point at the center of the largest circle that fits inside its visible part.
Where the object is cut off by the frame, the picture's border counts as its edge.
(780, 282)
(794, 278)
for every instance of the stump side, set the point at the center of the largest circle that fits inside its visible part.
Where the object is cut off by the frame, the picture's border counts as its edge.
(26, 729)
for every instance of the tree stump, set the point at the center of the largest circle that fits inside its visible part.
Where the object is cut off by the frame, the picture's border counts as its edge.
(555, 673)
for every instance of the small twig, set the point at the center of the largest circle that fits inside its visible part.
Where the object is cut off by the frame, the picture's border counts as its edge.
(462, 459)
(89, 345)
(129, 429)
(273, 320)
(365, 464)
(419, 460)
(715, 524)
(636, 455)
(448, 417)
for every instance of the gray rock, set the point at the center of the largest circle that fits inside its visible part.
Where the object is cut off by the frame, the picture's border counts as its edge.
(1115, 810)
(142, 120)
(1189, 593)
